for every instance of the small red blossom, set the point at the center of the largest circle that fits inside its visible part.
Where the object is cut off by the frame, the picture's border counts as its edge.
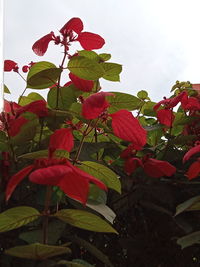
(25, 68)
(81, 84)
(10, 65)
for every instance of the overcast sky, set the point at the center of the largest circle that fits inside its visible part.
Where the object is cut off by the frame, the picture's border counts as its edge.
(156, 41)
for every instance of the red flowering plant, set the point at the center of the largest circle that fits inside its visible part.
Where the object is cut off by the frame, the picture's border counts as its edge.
(69, 156)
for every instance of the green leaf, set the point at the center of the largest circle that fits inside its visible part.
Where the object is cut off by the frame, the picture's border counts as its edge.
(55, 229)
(42, 75)
(65, 99)
(6, 90)
(103, 173)
(85, 68)
(85, 220)
(74, 263)
(37, 251)
(102, 209)
(17, 217)
(89, 54)
(92, 249)
(123, 101)
(96, 194)
(147, 109)
(142, 95)
(105, 56)
(44, 153)
(112, 71)
(189, 240)
(24, 100)
(187, 205)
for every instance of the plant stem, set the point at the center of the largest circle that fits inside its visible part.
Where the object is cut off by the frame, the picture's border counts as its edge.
(58, 86)
(46, 214)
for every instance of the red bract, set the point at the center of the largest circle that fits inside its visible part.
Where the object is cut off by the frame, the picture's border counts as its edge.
(170, 102)
(128, 152)
(40, 46)
(127, 127)
(94, 105)
(61, 139)
(158, 168)
(90, 41)
(81, 84)
(58, 172)
(74, 24)
(194, 170)
(166, 117)
(10, 106)
(10, 65)
(191, 152)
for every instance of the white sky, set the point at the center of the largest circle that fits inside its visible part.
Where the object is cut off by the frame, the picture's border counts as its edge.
(156, 41)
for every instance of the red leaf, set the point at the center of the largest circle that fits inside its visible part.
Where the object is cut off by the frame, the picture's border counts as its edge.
(61, 139)
(170, 102)
(49, 176)
(94, 105)
(37, 107)
(90, 41)
(194, 170)
(81, 84)
(166, 117)
(158, 168)
(191, 152)
(40, 46)
(16, 179)
(131, 164)
(74, 24)
(127, 127)
(10, 65)
(15, 125)
(10, 106)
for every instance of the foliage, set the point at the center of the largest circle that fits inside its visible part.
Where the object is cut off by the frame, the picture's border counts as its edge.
(84, 182)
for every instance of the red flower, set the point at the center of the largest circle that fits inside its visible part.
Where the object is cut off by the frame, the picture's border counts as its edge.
(40, 46)
(190, 103)
(81, 84)
(10, 65)
(87, 40)
(158, 168)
